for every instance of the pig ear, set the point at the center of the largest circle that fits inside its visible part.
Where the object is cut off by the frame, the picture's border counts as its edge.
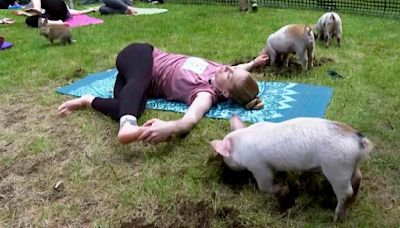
(236, 123)
(223, 147)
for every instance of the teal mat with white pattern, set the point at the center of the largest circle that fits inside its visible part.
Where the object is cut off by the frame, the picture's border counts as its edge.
(282, 101)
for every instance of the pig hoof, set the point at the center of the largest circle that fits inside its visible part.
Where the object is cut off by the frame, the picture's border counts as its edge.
(335, 218)
(339, 217)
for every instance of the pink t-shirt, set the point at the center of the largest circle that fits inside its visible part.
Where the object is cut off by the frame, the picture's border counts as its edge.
(179, 77)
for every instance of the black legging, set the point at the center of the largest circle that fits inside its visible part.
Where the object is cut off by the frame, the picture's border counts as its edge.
(134, 64)
(55, 10)
(115, 6)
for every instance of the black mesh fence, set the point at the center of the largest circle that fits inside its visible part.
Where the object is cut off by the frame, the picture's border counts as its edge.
(389, 8)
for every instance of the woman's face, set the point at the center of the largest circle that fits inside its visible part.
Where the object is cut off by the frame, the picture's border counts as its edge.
(226, 76)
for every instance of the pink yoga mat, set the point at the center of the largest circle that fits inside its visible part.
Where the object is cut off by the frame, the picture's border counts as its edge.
(5, 45)
(82, 20)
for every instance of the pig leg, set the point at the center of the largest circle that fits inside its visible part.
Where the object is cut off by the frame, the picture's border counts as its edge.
(340, 178)
(310, 56)
(321, 35)
(338, 38)
(327, 38)
(355, 183)
(303, 59)
(285, 60)
(264, 177)
(272, 55)
(272, 58)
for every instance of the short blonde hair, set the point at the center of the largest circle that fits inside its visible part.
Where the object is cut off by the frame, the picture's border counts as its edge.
(245, 91)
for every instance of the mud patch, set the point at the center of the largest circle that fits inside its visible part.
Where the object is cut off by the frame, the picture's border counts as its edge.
(188, 213)
(318, 188)
(236, 180)
(294, 66)
(229, 216)
(201, 214)
(57, 192)
(197, 214)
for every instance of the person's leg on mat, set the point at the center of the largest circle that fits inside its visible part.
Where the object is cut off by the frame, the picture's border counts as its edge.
(118, 7)
(110, 107)
(105, 10)
(134, 64)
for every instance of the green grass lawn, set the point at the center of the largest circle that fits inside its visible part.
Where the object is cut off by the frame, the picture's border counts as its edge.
(102, 183)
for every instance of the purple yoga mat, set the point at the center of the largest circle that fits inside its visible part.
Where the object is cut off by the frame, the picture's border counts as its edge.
(82, 20)
(5, 45)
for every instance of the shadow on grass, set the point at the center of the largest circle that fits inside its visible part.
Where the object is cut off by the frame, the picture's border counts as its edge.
(309, 184)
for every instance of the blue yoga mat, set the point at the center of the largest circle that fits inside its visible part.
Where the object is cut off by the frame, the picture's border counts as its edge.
(15, 7)
(282, 101)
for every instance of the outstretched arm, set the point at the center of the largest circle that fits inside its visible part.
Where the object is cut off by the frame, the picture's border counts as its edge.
(160, 130)
(258, 61)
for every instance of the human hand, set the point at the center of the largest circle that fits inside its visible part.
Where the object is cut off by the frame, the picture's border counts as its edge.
(157, 131)
(261, 60)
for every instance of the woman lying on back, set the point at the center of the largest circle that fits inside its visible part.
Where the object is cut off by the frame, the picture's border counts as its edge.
(145, 71)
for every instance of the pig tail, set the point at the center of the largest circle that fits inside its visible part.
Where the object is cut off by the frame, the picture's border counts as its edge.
(256, 103)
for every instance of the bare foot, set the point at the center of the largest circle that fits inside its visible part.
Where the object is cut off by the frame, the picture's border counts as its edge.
(21, 12)
(94, 9)
(34, 11)
(129, 133)
(69, 106)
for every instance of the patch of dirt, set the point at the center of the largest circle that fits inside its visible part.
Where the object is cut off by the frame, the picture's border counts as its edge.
(189, 213)
(57, 193)
(138, 223)
(31, 165)
(201, 213)
(293, 68)
(12, 115)
(311, 184)
(5, 146)
(318, 188)
(229, 216)
(197, 214)
(6, 189)
(236, 179)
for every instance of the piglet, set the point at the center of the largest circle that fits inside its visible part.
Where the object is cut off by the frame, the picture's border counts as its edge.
(328, 26)
(300, 144)
(295, 38)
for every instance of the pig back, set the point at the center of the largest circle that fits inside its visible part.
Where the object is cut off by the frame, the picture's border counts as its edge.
(297, 144)
(290, 39)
